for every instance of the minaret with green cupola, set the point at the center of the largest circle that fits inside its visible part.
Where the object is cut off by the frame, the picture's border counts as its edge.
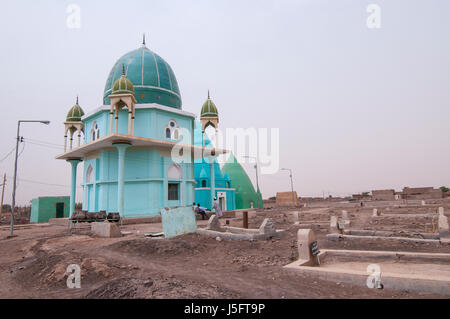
(210, 117)
(73, 124)
(122, 95)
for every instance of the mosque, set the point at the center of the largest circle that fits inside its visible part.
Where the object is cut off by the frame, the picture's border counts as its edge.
(128, 142)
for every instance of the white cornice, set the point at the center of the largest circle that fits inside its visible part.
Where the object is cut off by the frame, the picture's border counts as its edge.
(143, 106)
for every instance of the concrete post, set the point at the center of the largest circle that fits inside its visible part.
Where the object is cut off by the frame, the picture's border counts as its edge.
(245, 220)
(121, 148)
(73, 188)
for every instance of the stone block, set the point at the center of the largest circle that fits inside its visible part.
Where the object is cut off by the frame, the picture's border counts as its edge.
(375, 213)
(105, 229)
(345, 215)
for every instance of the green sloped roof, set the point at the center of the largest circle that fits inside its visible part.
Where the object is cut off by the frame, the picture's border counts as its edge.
(245, 192)
(75, 113)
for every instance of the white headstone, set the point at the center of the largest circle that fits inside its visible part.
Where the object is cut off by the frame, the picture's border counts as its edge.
(444, 231)
(305, 237)
(267, 227)
(333, 224)
(213, 223)
(296, 217)
(344, 214)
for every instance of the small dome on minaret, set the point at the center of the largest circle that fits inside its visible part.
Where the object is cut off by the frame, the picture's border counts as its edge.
(75, 113)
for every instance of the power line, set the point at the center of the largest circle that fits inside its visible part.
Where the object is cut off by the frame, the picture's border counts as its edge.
(44, 142)
(38, 182)
(10, 152)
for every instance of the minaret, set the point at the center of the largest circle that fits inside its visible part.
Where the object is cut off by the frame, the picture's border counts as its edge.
(122, 95)
(73, 124)
(210, 117)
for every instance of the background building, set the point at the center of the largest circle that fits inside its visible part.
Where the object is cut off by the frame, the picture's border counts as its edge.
(45, 208)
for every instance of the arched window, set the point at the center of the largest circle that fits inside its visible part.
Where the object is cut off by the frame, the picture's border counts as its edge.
(203, 183)
(174, 171)
(228, 184)
(95, 131)
(171, 130)
(89, 174)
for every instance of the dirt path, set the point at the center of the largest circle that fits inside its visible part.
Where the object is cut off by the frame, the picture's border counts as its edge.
(33, 264)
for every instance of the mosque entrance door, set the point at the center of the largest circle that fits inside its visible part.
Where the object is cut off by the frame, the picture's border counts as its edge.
(222, 197)
(59, 210)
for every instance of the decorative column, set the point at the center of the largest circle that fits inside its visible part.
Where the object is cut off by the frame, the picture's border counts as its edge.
(73, 188)
(129, 122)
(212, 180)
(132, 121)
(79, 137)
(165, 183)
(111, 117)
(117, 120)
(71, 140)
(121, 148)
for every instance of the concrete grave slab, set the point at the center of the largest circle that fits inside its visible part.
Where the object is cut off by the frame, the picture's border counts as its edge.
(421, 272)
(266, 231)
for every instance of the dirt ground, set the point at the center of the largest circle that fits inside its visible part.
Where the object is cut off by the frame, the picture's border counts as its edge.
(33, 264)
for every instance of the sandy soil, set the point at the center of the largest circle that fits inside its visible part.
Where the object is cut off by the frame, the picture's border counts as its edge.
(33, 264)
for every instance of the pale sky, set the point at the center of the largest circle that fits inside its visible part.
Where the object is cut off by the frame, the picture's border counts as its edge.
(357, 108)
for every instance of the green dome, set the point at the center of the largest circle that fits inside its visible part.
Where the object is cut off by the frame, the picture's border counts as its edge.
(122, 85)
(75, 113)
(151, 76)
(209, 109)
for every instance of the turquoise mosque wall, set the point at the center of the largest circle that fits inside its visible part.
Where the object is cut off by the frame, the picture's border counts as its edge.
(202, 173)
(149, 122)
(146, 170)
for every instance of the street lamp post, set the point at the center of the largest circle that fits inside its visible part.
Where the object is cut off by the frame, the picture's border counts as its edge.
(292, 184)
(257, 183)
(13, 204)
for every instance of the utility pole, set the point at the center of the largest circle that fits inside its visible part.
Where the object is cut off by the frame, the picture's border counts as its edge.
(13, 204)
(3, 192)
(257, 182)
(292, 185)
